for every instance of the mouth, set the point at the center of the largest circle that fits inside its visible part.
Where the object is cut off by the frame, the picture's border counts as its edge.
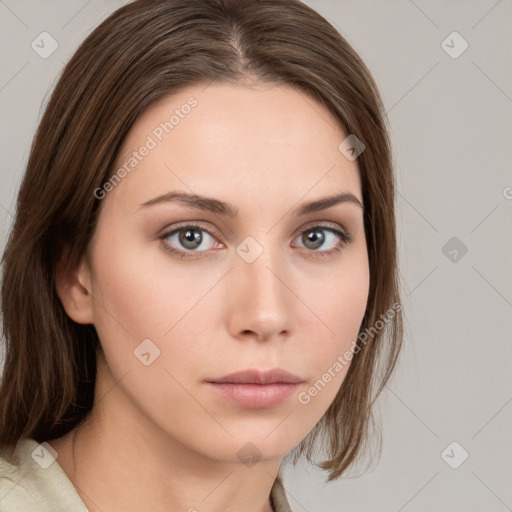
(255, 389)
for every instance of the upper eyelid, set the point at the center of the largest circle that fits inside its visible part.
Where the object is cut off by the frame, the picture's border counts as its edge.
(318, 223)
(196, 224)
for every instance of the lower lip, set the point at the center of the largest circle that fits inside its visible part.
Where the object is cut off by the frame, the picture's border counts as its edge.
(256, 396)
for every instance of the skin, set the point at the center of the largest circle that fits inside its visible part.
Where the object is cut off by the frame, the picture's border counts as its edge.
(158, 434)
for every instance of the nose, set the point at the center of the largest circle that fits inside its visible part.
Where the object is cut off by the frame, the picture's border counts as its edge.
(260, 301)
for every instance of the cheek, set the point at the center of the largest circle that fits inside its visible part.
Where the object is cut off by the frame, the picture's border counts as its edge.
(346, 304)
(141, 317)
(341, 300)
(141, 297)
(139, 294)
(340, 305)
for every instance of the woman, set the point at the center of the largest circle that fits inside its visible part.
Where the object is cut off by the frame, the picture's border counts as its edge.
(201, 279)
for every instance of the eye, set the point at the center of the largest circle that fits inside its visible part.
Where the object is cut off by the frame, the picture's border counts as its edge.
(189, 237)
(331, 238)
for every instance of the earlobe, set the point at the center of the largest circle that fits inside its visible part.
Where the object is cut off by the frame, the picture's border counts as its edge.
(73, 289)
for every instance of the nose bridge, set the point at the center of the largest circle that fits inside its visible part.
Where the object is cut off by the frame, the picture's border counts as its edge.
(261, 302)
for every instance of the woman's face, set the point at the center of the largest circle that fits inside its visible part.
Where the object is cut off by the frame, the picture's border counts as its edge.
(237, 275)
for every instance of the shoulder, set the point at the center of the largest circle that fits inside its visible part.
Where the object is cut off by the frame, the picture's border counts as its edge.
(32, 481)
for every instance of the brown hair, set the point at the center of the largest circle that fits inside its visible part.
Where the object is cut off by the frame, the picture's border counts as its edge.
(143, 51)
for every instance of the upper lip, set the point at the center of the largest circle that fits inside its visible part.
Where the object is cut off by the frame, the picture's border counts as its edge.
(253, 376)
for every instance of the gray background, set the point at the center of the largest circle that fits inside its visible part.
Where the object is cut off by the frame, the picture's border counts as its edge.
(451, 121)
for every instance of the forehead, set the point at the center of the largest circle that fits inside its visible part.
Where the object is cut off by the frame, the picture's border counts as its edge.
(268, 141)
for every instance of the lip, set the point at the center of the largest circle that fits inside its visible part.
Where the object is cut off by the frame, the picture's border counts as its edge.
(256, 389)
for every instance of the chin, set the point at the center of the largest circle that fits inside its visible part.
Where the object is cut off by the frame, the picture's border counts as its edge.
(252, 445)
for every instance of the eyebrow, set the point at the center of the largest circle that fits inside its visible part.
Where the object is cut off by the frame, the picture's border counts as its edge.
(222, 208)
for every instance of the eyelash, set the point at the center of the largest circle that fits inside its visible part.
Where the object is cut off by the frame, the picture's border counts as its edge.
(343, 236)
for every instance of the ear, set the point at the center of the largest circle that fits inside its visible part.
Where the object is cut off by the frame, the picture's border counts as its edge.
(74, 288)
